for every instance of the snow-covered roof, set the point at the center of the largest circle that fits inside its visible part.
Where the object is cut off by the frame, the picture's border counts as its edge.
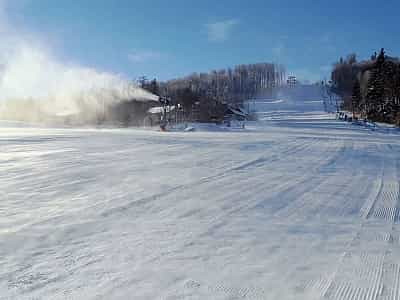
(160, 109)
(238, 111)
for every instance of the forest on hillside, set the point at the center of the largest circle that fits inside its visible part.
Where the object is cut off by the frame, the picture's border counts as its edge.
(369, 88)
(209, 92)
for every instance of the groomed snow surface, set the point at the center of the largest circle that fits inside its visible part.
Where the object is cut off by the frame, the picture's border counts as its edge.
(296, 206)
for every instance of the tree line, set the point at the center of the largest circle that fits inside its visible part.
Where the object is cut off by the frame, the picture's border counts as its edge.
(208, 93)
(370, 88)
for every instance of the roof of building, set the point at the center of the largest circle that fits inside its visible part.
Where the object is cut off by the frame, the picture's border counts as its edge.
(160, 109)
(237, 111)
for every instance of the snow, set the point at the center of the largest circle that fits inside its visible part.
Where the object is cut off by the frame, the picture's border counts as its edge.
(160, 109)
(297, 206)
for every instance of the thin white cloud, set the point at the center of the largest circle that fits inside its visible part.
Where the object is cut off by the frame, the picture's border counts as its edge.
(140, 56)
(221, 31)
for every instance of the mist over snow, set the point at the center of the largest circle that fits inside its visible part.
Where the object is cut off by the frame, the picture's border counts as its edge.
(35, 85)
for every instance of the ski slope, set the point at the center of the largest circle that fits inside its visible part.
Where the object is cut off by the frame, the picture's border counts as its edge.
(298, 206)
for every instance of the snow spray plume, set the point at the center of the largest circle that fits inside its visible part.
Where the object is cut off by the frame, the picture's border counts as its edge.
(36, 87)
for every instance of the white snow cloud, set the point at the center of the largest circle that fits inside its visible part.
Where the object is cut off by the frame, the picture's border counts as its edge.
(31, 72)
(221, 31)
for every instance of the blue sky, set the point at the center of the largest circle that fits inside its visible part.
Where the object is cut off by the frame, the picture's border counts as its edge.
(167, 39)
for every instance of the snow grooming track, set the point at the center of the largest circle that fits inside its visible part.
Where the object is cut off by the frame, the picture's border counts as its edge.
(308, 204)
(364, 275)
(295, 209)
(241, 292)
(253, 293)
(366, 210)
(386, 204)
(297, 147)
(295, 189)
(275, 191)
(317, 286)
(391, 276)
(359, 277)
(370, 275)
(376, 189)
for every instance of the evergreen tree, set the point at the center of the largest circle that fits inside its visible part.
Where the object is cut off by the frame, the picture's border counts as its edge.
(389, 72)
(397, 87)
(376, 88)
(396, 112)
(379, 79)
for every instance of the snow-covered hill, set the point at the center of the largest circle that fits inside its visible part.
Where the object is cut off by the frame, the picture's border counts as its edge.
(301, 207)
(290, 102)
